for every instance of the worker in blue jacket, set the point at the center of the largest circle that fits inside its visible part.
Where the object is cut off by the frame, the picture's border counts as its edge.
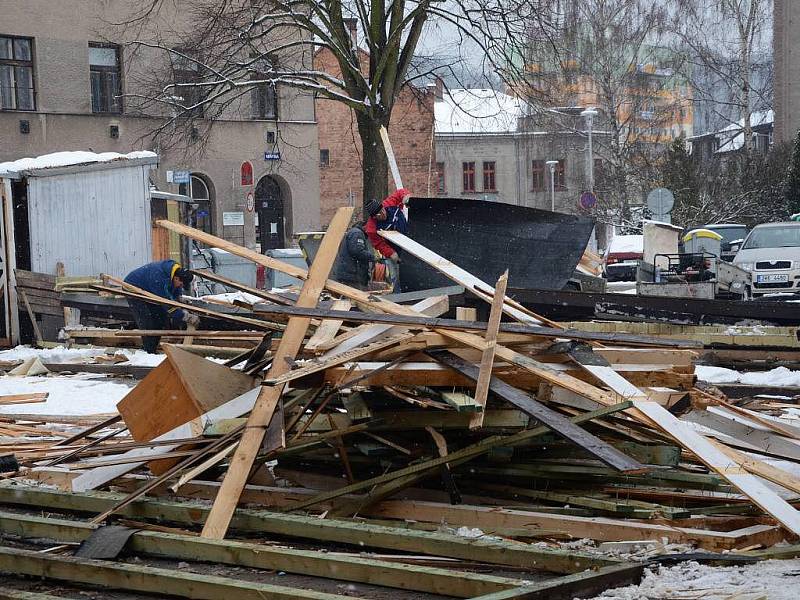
(165, 278)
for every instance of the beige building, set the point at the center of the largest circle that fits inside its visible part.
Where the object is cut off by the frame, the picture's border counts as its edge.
(68, 81)
(786, 43)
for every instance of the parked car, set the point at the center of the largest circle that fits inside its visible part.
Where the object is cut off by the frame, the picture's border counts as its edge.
(771, 252)
(622, 257)
(733, 235)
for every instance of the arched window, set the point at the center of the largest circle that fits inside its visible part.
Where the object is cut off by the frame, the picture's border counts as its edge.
(201, 217)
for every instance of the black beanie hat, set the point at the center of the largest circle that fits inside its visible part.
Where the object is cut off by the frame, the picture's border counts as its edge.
(373, 207)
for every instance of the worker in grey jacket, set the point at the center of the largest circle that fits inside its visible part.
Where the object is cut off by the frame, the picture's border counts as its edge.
(355, 259)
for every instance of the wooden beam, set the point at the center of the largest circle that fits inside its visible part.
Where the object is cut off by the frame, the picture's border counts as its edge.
(151, 580)
(362, 535)
(328, 328)
(242, 462)
(723, 464)
(314, 563)
(487, 358)
(564, 427)
(132, 291)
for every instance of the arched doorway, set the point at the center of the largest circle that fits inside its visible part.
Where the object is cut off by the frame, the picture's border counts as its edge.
(201, 217)
(271, 217)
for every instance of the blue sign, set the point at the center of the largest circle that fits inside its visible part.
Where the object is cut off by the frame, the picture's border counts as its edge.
(272, 155)
(181, 177)
(588, 200)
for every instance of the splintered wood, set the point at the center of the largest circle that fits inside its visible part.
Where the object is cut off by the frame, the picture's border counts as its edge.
(403, 416)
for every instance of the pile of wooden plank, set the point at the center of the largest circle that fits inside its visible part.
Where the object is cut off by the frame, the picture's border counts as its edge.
(353, 420)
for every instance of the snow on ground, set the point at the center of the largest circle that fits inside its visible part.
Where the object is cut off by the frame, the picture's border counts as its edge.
(778, 377)
(138, 358)
(772, 579)
(82, 394)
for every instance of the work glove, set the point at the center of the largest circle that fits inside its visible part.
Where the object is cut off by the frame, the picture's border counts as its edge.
(394, 258)
(191, 319)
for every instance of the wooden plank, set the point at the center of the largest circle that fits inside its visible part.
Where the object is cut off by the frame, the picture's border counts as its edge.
(723, 464)
(263, 294)
(487, 358)
(97, 477)
(328, 328)
(260, 556)
(595, 446)
(31, 316)
(239, 470)
(139, 578)
(30, 398)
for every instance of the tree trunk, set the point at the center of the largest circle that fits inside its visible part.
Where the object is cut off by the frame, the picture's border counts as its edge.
(375, 171)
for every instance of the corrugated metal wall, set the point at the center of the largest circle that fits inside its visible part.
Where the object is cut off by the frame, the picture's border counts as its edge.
(94, 222)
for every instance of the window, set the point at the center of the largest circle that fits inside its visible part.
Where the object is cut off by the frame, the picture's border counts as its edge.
(186, 73)
(324, 157)
(263, 96)
(441, 186)
(560, 177)
(468, 171)
(489, 177)
(106, 80)
(201, 217)
(537, 176)
(264, 101)
(16, 74)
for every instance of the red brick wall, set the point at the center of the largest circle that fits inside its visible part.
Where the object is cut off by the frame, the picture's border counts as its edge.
(410, 130)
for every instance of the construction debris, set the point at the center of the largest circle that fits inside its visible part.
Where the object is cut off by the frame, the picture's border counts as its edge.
(418, 447)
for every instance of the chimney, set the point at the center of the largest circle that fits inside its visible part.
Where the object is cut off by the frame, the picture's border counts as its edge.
(351, 25)
(439, 88)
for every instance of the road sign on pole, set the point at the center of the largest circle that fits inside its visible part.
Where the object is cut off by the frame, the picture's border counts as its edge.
(660, 202)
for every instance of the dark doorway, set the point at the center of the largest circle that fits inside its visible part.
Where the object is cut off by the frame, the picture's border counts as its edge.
(269, 203)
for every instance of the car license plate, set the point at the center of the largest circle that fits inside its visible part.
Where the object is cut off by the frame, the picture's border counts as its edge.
(772, 278)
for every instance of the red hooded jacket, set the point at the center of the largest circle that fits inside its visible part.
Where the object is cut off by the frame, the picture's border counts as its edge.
(395, 199)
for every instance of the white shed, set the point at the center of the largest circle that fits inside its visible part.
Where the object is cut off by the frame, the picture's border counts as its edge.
(88, 211)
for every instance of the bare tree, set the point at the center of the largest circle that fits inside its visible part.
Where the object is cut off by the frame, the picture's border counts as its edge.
(227, 48)
(612, 54)
(727, 45)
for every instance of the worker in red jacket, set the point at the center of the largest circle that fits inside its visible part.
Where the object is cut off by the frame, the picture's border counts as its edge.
(388, 216)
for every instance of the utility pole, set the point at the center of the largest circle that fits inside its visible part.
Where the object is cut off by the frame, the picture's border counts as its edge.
(551, 164)
(589, 114)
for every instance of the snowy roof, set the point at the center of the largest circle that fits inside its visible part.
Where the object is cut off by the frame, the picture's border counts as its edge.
(478, 111)
(626, 243)
(732, 137)
(15, 168)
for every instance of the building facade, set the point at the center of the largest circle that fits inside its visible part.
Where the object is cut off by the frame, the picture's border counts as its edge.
(486, 149)
(786, 45)
(69, 81)
(340, 151)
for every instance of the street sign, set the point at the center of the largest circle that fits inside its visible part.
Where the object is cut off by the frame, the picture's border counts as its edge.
(588, 200)
(251, 202)
(181, 177)
(660, 202)
(272, 155)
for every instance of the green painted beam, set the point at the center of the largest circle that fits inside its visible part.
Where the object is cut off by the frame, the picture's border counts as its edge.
(150, 580)
(299, 526)
(305, 562)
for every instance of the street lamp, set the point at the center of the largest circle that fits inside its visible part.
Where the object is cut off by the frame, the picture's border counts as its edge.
(551, 164)
(589, 114)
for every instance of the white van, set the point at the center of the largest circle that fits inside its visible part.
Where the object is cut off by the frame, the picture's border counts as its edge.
(771, 252)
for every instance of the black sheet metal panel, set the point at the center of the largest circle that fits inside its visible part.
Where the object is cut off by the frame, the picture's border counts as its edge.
(539, 248)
